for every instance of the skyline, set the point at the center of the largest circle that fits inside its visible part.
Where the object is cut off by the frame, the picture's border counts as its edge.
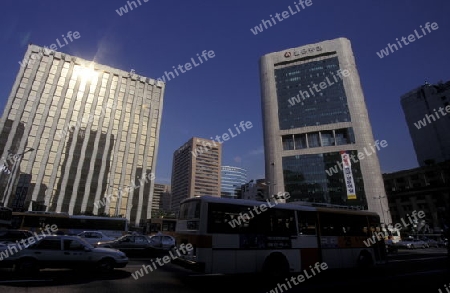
(225, 89)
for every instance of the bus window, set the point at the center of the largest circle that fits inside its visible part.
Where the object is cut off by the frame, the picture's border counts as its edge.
(306, 222)
(223, 218)
(342, 224)
(282, 222)
(190, 210)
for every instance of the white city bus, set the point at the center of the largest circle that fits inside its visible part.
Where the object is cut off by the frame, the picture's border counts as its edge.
(282, 237)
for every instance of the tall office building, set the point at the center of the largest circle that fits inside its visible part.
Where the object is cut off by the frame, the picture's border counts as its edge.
(81, 131)
(196, 170)
(161, 198)
(232, 179)
(316, 124)
(427, 110)
(255, 190)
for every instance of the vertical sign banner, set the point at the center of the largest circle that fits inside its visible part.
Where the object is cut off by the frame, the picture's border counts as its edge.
(348, 176)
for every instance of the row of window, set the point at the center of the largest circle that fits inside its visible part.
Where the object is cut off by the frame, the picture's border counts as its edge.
(323, 138)
(232, 219)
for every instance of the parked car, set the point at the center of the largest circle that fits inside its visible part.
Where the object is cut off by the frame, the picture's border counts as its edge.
(161, 241)
(129, 244)
(404, 244)
(93, 237)
(10, 236)
(391, 246)
(418, 243)
(431, 242)
(443, 242)
(61, 251)
(412, 243)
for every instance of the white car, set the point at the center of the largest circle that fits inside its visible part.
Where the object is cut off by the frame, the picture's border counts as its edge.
(163, 242)
(411, 243)
(62, 251)
(93, 237)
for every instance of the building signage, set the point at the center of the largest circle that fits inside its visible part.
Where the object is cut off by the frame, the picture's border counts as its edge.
(348, 176)
(304, 51)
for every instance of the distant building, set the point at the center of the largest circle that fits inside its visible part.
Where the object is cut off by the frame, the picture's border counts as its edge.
(161, 198)
(318, 140)
(232, 178)
(427, 114)
(84, 132)
(255, 190)
(425, 189)
(196, 170)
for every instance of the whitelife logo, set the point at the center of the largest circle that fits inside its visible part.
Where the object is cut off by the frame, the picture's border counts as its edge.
(411, 38)
(423, 123)
(340, 74)
(285, 15)
(208, 146)
(188, 66)
(165, 260)
(76, 35)
(27, 242)
(236, 222)
(335, 169)
(380, 236)
(122, 10)
(281, 287)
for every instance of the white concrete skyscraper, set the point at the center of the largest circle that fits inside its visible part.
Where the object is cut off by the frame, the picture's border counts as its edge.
(318, 140)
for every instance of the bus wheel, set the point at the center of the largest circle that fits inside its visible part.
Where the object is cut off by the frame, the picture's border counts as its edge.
(276, 266)
(365, 259)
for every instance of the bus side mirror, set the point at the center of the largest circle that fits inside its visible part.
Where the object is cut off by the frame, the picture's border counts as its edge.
(87, 249)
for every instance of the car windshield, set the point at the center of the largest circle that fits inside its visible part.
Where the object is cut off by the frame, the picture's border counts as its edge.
(122, 238)
(85, 243)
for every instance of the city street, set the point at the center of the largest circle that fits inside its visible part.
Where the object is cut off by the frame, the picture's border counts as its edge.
(406, 270)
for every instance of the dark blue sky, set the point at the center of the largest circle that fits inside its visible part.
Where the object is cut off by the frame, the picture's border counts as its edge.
(225, 90)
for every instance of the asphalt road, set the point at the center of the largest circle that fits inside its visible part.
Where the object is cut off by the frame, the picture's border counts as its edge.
(406, 271)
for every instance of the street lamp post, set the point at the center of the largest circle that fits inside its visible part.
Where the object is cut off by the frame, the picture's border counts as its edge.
(9, 184)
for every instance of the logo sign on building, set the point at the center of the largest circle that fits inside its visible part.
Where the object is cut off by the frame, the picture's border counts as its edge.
(306, 51)
(348, 176)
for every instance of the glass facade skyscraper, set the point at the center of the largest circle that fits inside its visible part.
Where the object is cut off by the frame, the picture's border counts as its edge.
(315, 126)
(232, 180)
(82, 131)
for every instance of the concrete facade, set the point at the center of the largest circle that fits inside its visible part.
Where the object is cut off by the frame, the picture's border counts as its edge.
(281, 120)
(196, 170)
(427, 114)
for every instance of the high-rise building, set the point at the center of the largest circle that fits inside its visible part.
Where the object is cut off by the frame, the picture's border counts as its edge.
(255, 190)
(318, 140)
(196, 170)
(232, 179)
(82, 131)
(427, 110)
(161, 198)
(424, 189)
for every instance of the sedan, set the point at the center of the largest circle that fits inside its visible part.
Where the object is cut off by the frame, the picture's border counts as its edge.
(93, 237)
(11, 236)
(412, 243)
(61, 251)
(163, 242)
(129, 244)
